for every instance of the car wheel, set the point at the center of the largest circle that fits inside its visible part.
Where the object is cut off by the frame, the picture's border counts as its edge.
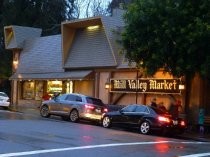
(106, 122)
(74, 116)
(145, 127)
(44, 111)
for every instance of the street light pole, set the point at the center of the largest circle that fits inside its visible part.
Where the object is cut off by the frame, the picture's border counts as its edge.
(137, 73)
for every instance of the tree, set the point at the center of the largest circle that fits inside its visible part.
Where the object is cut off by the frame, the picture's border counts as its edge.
(90, 8)
(5, 57)
(170, 34)
(118, 4)
(45, 14)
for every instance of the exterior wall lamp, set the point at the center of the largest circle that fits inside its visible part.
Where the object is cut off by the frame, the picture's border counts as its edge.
(181, 87)
(107, 84)
(15, 61)
(15, 64)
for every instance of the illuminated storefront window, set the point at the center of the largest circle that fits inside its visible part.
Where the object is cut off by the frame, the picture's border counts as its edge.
(54, 87)
(35, 90)
(39, 86)
(28, 90)
(69, 87)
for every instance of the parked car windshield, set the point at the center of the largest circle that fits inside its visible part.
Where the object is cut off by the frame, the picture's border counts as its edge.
(94, 101)
(61, 97)
(3, 94)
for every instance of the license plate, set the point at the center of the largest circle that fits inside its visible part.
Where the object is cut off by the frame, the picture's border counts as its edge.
(175, 122)
(98, 110)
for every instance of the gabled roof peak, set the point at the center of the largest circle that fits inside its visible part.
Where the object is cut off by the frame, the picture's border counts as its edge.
(16, 35)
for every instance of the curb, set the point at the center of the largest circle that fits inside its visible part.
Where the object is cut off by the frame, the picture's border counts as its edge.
(197, 138)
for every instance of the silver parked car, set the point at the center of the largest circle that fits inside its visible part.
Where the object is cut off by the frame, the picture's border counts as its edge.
(74, 107)
(4, 100)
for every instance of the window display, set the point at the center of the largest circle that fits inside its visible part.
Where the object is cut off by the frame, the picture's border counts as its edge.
(54, 87)
(28, 90)
(39, 90)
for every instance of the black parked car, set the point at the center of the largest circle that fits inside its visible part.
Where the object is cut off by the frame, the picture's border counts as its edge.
(145, 118)
(74, 107)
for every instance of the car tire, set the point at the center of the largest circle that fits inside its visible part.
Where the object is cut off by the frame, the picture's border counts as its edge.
(44, 111)
(106, 122)
(145, 127)
(74, 116)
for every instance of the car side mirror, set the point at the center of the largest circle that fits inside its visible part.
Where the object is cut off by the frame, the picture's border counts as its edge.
(121, 111)
(55, 97)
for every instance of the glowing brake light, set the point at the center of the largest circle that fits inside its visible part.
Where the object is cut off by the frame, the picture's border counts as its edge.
(89, 107)
(182, 123)
(105, 110)
(164, 119)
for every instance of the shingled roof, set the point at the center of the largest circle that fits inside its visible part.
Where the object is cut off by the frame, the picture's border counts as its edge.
(15, 36)
(90, 49)
(74, 75)
(41, 55)
(96, 48)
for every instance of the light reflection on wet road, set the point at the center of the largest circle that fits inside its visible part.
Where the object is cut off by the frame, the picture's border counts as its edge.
(32, 135)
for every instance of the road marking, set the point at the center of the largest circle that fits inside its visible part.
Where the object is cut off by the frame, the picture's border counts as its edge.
(197, 155)
(90, 147)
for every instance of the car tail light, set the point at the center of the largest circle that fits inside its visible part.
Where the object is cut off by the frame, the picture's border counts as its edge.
(88, 106)
(105, 110)
(182, 123)
(164, 119)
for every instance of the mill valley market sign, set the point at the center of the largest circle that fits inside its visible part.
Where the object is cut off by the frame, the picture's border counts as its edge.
(151, 85)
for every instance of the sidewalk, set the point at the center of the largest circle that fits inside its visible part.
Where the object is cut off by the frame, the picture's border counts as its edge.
(188, 135)
(26, 110)
(193, 135)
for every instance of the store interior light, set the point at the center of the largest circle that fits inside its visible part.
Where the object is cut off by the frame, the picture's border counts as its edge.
(56, 82)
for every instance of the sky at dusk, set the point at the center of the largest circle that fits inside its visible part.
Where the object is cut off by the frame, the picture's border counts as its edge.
(84, 3)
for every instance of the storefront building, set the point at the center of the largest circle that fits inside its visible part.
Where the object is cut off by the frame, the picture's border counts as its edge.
(85, 59)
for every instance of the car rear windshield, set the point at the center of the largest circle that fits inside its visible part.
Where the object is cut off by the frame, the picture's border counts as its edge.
(94, 101)
(159, 111)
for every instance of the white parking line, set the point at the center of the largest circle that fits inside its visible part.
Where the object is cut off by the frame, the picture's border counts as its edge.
(90, 147)
(197, 155)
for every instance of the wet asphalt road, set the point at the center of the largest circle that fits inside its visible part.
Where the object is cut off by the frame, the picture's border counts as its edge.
(34, 136)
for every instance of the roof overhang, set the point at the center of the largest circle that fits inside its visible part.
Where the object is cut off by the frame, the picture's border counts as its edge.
(73, 75)
(81, 23)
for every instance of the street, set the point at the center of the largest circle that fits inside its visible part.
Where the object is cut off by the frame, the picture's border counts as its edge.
(28, 135)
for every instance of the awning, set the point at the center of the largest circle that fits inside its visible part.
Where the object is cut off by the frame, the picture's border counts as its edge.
(73, 75)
